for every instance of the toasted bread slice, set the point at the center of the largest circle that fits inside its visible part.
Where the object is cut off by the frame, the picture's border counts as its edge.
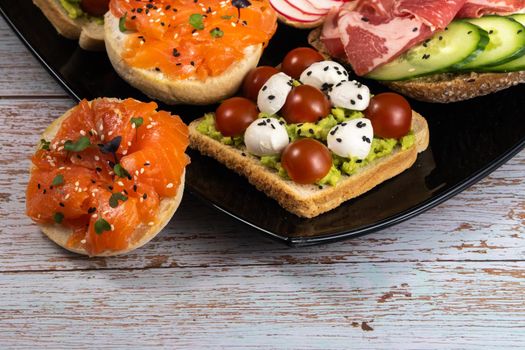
(310, 200)
(174, 91)
(442, 87)
(90, 35)
(143, 233)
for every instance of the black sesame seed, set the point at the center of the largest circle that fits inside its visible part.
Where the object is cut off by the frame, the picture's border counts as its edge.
(440, 37)
(299, 125)
(176, 53)
(311, 131)
(519, 31)
(366, 139)
(358, 161)
(264, 88)
(243, 154)
(364, 19)
(110, 188)
(491, 31)
(338, 140)
(157, 69)
(145, 196)
(273, 126)
(352, 102)
(299, 132)
(281, 122)
(309, 73)
(45, 191)
(192, 63)
(167, 7)
(91, 210)
(93, 181)
(263, 123)
(334, 131)
(38, 186)
(271, 97)
(343, 124)
(133, 17)
(61, 204)
(134, 188)
(359, 97)
(98, 170)
(139, 10)
(339, 84)
(326, 68)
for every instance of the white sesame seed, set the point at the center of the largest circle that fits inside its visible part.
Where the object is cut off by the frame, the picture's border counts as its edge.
(170, 185)
(112, 228)
(149, 126)
(82, 132)
(110, 133)
(102, 137)
(124, 152)
(151, 223)
(66, 196)
(133, 125)
(97, 158)
(129, 143)
(120, 183)
(61, 168)
(94, 216)
(83, 241)
(142, 170)
(77, 183)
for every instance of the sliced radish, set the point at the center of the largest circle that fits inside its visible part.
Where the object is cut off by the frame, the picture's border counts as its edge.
(291, 13)
(305, 7)
(326, 4)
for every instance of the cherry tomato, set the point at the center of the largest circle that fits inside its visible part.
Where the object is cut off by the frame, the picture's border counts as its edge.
(297, 60)
(305, 103)
(95, 7)
(391, 115)
(306, 161)
(255, 79)
(234, 115)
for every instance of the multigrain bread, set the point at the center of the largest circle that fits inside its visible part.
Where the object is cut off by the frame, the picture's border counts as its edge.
(310, 200)
(143, 233)
(90, 35)
(442, 87)
(175, 91)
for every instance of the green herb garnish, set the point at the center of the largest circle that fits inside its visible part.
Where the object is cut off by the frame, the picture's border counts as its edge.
(216, 33)
(120, 171)
(102, 225)
(78, 146)
(44, 144)
(137, 121)
(122, 23)
(58, 180)
(115, 197)
(196, 21)
(58, 217)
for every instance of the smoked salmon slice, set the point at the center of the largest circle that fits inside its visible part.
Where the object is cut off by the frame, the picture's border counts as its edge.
(106, 170)
(192, 39)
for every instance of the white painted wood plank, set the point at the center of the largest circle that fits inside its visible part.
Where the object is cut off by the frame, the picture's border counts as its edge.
(487, 222)
(443, 305)
(21, 73)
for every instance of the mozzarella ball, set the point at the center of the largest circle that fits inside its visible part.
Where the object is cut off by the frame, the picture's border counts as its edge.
(350, 94)
(323, 75)
(265, 137)
(273, 93)
(352, 138)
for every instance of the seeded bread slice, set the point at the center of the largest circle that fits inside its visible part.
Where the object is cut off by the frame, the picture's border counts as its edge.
(310, 200)
(443, 87)
(90, 35)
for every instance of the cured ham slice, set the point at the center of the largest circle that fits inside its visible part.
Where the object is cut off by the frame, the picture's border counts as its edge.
(374, 32)
(478, 8)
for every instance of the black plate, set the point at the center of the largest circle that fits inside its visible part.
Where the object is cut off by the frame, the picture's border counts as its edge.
(468, 140)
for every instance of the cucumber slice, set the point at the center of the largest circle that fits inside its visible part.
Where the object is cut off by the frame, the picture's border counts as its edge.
(507, 41)
(514, 65)
(460, 42)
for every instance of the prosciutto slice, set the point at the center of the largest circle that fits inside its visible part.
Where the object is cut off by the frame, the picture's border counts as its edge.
(374, 32)
(478, 8)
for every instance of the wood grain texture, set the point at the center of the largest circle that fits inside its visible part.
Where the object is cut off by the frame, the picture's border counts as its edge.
(21, 73)
(441, 305)
(451, 278)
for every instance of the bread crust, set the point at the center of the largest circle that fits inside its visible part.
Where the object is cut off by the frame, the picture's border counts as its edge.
(143, 233)
(442, 87)
(89, 34)
(310, 200)
(175, 91)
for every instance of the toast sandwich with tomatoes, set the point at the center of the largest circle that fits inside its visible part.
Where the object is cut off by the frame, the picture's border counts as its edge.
(308, 137)
(77, 20)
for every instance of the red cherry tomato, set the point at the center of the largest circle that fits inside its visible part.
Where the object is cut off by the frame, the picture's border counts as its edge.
(391, 115)
(305, 103)
(297, 60)
(255, 79)
(306, 161)
(95, 7)
(234, 115)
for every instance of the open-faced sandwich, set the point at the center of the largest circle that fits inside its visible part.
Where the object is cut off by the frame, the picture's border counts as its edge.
(442, 51)
(108, 176)
(81, 20)
(309, 137)
(193, 52)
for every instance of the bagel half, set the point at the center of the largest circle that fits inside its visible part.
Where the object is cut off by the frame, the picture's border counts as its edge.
(176, 91)
(90, 35)
(143, 233)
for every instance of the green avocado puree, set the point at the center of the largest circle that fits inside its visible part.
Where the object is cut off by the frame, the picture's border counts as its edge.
(319, 130)
(74, 11)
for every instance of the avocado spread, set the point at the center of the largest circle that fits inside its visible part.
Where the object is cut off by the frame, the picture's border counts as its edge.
(74, 11)
(319, 130)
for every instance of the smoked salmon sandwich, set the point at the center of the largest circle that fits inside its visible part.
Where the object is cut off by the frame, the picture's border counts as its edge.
(185, 51)
(107, 176)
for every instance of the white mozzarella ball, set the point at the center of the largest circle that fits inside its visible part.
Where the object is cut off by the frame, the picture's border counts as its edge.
(352, 138)
(265, 137)
(273, 93)
(324, 75)
(350, 94)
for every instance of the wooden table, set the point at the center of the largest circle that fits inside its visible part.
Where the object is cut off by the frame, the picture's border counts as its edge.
(452, 277)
